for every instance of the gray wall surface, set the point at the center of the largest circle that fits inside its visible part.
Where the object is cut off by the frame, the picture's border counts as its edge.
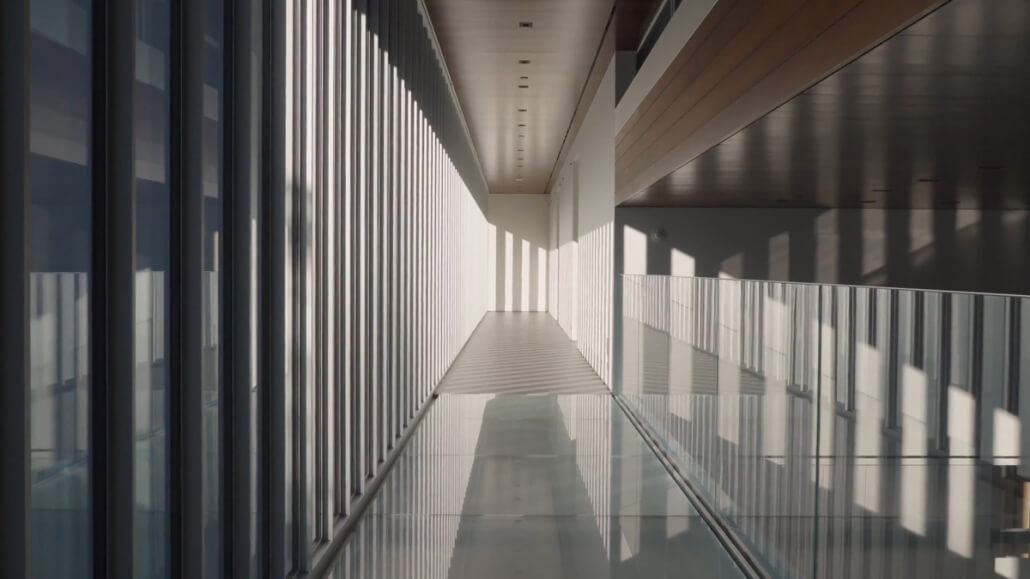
(960, 250)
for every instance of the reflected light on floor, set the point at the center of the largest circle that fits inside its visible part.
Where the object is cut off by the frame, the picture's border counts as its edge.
(541, 279)
(1006, 438)
(509, 281)
(913, 443)
(491, 244)
(525, 269)
(869, 416)
(634, 251)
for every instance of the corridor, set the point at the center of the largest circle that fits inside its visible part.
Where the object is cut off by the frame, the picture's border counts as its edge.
(524, 467)
(470, 288)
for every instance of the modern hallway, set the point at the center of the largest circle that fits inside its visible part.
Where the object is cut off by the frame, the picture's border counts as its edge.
(511, 475)
(521, 288)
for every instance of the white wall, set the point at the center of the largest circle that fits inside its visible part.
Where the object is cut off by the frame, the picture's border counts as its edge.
(518, 239)
(957, 250)
(582, 213)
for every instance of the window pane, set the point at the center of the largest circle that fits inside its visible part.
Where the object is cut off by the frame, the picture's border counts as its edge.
(61, 213)
(213, 265)
(153, 207)
(254, 192)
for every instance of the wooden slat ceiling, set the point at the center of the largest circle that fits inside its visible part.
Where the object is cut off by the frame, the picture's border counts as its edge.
(483, 44)
(747, 58)
(934, 117)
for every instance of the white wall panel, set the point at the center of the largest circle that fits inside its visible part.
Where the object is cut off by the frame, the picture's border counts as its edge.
(580, 266)
(518, 233)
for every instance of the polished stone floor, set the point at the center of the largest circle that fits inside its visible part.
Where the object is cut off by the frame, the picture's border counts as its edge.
(521, 353)
(530, 483)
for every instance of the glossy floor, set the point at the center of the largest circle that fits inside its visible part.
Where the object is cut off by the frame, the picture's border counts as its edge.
(520, 353)
(537, 486)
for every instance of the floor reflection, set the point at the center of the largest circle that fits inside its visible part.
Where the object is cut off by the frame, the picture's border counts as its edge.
(530, 486)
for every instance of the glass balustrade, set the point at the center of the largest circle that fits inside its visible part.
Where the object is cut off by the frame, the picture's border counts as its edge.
(841, 431)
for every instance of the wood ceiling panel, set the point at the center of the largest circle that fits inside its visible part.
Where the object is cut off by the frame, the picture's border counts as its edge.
(745, 59)
(483, 45)
(934, 117)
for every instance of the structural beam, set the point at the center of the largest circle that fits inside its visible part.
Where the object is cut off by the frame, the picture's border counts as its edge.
(14, 288)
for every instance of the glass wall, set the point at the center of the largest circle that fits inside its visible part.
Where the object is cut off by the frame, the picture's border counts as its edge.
(277, 269)
(152, 118)
(387, 279)
(61, 173)
(840, 431)
(67, 319)
(212, 265)
(250, 189)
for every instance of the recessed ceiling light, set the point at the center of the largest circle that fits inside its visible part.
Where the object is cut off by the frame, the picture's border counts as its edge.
(525, 24)
(518, 179)
(524, 61)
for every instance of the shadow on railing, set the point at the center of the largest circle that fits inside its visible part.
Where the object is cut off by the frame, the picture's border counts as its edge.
(838, 430)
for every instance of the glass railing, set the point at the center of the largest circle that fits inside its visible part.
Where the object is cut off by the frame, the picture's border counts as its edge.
(837, 430)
